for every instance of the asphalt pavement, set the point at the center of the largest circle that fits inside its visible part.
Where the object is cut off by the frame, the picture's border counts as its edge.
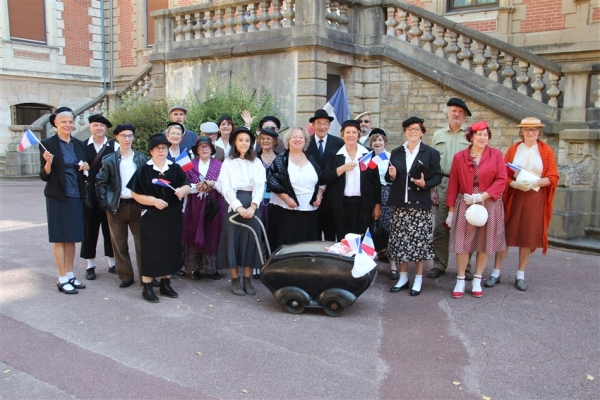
(108, 343)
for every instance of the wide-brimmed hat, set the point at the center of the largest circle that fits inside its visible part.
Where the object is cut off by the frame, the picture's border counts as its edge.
(270, 118)
(209, 127)
(459, 103)
(58, 111)
(123, 127)
(204, 140)
(531, 122)
(177, 107)
(320, 113)
(156, 140)
(351, 122)
(99, 118)
(239, 130)
(412, 120)
(377, 131)
(269, 132)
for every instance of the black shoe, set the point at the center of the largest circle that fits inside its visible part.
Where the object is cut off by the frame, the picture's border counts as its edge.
(126, 283)
(90, 274)
(395, 289)
(155, 282)
(435, 273)
(112, 270)
(236, 288)
(394, 275)
(148, 293)
(248, 288)
(76, 286)
(216, 276)
(196, 275)
(180, 273)
(256, 273)
(166, 289)
(61, 288)
(468, 275)
(415, 292)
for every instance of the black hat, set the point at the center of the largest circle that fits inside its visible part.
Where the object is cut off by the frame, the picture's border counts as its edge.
(225, 118)
(458, 103)
(270, 118)
(239, 130)
(156, 140)
(270, 132)
(351, 122)
(204, 140)
(377, 131)
(99, 118)
(412, 120)
(320, 113)
(170, 124)
(123, 127)
(58, 111)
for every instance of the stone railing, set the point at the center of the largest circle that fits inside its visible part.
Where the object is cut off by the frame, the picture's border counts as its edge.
(138, 88)
(514, 68)
(337, 15)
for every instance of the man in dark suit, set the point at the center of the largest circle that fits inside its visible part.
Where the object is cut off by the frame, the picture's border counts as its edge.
(94, 217)
(322, 146)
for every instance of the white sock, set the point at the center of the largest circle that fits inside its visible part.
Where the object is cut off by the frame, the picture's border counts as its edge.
(91, 263)
(460, 284)
(521, 275)
(476, 283)
(111, 261)
(70, 275)
(496, 273)
(403, 279)
(417, 284)
(65, 280)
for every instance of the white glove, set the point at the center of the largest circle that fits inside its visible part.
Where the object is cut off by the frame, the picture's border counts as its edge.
(524, 186)
(473, 198)
(449, 219)
(532, 184)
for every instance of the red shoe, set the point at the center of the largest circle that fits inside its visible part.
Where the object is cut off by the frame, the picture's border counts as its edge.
(477, 294)
(458, 295)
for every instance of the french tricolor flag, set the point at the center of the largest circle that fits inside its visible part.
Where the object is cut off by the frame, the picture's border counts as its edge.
(184, 161)
(337, 107)
(365, 161)
(377, 159)
(28, 140)
(367, 246)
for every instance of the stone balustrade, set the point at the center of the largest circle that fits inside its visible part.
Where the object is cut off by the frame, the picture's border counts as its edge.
(337, 15)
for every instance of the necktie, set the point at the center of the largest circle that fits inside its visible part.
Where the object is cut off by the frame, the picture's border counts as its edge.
(321, 147)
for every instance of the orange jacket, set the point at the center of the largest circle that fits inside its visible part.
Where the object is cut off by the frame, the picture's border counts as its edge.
(550, 171)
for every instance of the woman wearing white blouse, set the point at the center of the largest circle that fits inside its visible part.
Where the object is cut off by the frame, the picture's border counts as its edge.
(242, 181)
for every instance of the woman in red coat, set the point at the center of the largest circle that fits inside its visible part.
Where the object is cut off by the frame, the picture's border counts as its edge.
(478, 175)
(527, 204)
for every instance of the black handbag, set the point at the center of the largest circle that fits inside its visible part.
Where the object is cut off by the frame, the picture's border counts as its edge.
(380, 236)
(211, 210)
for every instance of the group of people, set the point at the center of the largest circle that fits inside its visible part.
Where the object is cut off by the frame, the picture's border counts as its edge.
(301, 187)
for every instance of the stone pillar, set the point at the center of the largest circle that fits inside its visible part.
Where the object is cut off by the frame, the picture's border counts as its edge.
(158, 89)
(22, 163)
(310, 12)
(576, 78)
(312, 83)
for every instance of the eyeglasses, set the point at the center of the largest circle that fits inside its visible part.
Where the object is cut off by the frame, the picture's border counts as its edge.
(322, 123)
(210, 133)
(531, 129)
(270, 127)
(161, 148)
(204, 147)
(126, 137)
(414, 130)
(365, 121)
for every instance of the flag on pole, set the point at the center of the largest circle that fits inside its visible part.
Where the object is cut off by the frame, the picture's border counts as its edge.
(365, 161)
(162, 182)
(367, 246)
(28, 140)
(337, 107)
(377, 159)
(184, 161)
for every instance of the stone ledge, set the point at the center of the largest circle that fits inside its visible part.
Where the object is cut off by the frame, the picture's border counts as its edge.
(584, 245)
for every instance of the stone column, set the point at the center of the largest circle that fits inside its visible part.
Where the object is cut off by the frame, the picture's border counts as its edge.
(576, 79)
(312, 83)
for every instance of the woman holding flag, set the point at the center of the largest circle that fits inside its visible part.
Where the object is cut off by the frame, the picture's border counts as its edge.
(354, 187)
(159, 186)
(414, 169)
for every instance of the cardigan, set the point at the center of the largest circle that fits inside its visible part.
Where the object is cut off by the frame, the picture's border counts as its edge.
(55, 181)
(278, 177)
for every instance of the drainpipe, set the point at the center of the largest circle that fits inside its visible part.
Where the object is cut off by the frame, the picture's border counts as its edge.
(112, 51)
(103, 47)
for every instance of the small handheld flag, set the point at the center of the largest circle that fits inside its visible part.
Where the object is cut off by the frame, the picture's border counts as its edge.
(29, 140)
(162, 182)
(367, 246)
(377, 159)
(184, 161)
(365, 160)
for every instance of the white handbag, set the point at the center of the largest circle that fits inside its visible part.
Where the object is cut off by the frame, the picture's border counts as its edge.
(476, 215)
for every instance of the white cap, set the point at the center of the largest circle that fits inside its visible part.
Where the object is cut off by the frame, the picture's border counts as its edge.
(209, 127)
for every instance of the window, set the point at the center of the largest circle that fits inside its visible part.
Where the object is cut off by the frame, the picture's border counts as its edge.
(28, 113)
(151, 6)
(27, 20)
(461, 4)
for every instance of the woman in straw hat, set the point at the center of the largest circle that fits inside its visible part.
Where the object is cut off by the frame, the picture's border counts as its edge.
(527, 202)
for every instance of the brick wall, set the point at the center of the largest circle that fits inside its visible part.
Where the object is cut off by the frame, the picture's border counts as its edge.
(542, 16)
(483, 26)
(596, 14)
(76, 33)
(125, 34)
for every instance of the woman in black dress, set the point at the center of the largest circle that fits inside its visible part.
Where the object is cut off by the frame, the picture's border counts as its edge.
(162, 219)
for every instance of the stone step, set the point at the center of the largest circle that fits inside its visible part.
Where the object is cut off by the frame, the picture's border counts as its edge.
(2, 164)
(592, 232)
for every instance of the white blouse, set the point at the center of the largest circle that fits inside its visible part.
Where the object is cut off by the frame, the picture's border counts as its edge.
(304, 180)
(529, 159)
(352, 187)
(410, 159)
(224, 145)
(239, 174)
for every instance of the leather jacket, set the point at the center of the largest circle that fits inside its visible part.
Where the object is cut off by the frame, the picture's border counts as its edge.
(108, 180)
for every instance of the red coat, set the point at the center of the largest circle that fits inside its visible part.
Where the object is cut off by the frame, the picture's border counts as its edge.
(492, 174)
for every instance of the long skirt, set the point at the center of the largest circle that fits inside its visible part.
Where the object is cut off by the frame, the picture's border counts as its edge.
(65, 220)
(386, 211)
(238, 247)
(466, 238)
(292, 226)
(525, 225)
(160, 241)
(411, 237)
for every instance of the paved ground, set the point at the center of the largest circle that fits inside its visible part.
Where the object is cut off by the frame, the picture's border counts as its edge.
(107, 342)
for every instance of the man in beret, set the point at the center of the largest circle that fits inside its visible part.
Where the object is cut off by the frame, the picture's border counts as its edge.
(210, 129)
(448, 141)
(98, 146)
(115, 199)
(178, 114)
(322, 146)
(364, 119)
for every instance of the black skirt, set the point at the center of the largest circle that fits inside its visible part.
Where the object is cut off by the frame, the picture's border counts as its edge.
(65, 220)
(292, 226)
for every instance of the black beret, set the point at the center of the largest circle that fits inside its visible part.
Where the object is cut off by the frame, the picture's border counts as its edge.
(225, 118)
(99, 118)
(270, 132)
(412, 120)
(123, 127)
(351, 122)
(239, 130)
(156, 140)
(270, 118)
(58, 111)
(459, 103)
(204, 140)
(170, 124)
(320, 113)
(377, 131)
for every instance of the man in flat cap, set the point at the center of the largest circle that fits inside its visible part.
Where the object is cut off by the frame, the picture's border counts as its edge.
(448, 141)
(210, 129)
(178, 114)
(322, 146)
(94, 218)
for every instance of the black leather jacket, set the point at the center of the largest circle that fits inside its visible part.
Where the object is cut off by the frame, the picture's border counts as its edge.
(278, 178)
(108, 180)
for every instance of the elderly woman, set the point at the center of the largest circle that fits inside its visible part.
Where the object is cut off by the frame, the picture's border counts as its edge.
(174, 133)
(414, 169)
(200, 235)
(242, 182)
(478, 175)
(355, 195)
(211, 130)
(293, 178)
(527, 203)
(159, 186)
(226, 126)
(62, 168)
